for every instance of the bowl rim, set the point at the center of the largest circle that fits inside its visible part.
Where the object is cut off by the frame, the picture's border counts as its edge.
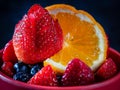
(7, 79)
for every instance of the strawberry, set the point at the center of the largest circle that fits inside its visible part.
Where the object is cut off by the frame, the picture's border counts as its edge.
(107, 70)
(37, 36)
(45, 77)
(8, 53)
(77, 73)
(7, 68)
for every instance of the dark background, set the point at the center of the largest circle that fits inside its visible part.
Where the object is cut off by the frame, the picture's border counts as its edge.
(106, 12)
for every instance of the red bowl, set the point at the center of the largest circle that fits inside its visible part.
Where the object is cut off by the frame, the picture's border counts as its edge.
(7, 83)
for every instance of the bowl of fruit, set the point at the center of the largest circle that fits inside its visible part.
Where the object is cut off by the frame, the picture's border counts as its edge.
(58, 48)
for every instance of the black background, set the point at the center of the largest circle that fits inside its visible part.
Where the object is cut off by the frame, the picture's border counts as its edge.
(106, 12)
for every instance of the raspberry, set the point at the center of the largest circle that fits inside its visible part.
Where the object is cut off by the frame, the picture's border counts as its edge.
(107, 70)
(77, 73)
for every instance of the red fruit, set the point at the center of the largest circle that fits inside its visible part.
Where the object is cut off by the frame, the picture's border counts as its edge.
(8, 53)
(37, 36)
(44, 77)
(7, 68)
(107, 70)
(77, 73)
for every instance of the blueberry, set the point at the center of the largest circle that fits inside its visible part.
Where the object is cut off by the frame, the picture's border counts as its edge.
(21, 76)
(21, 67)
(35, 69)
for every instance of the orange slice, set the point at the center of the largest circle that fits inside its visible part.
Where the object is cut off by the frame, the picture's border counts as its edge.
(84, 38)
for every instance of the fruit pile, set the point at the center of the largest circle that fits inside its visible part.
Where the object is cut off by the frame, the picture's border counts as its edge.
(57, 46)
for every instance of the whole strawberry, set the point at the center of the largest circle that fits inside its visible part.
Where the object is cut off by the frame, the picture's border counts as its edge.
(77, 73)
(37, 36)
(45, 77)
(107, 70)
(8, 53)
